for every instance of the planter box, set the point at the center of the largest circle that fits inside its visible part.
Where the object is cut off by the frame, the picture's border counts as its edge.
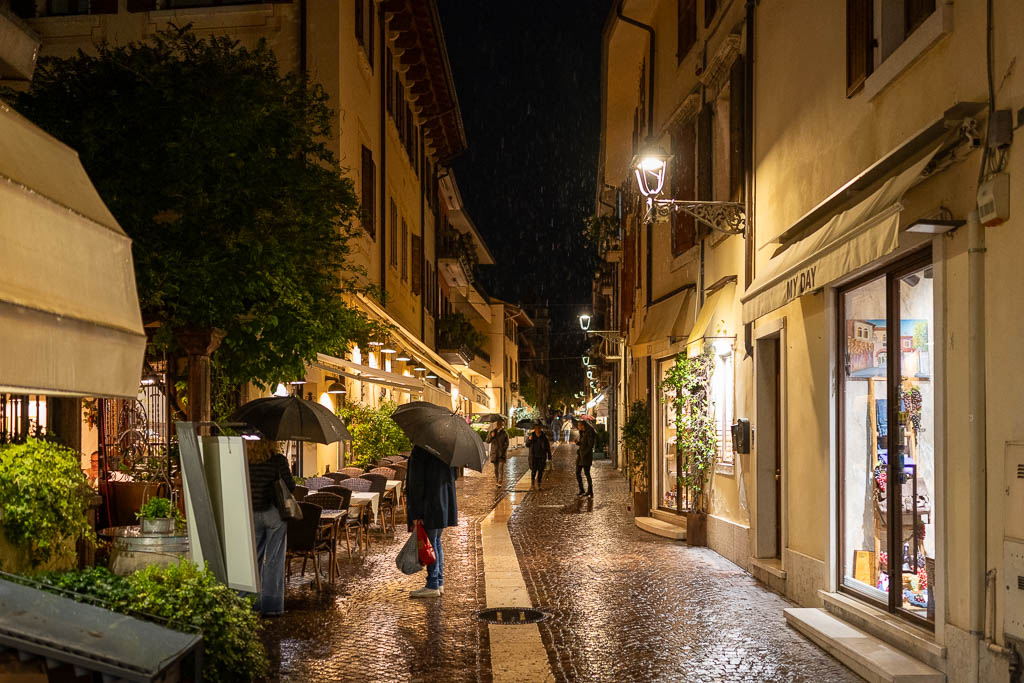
(641, 504)
(697, 528)
(158, 525)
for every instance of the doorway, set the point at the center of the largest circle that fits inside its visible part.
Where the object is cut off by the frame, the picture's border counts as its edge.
(768, 440)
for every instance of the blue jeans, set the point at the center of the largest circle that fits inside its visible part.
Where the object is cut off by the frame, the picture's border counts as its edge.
(271, 537)
(435, 572)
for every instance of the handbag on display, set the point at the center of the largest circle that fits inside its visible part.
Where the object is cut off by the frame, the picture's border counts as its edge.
(426, 551)
(285, 502)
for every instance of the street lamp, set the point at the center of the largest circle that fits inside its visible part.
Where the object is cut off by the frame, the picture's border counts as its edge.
(650, 165)
(585, 321)
(586, 361)
(336, 387)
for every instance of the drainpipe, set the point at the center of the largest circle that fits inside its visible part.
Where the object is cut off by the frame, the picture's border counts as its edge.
(384, 85)
(976, 428)
(748, 166)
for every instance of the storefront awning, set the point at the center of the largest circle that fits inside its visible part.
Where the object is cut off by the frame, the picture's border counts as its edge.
(712, 319)
(69, 312)
(364, 373)
(851, 239)
(474, 393)
(666, 320)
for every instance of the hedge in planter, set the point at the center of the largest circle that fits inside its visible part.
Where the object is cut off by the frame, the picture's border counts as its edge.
(374, 434)
(185, 598)
(43, 501)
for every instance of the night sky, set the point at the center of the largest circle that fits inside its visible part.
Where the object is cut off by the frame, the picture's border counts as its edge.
(527, 75)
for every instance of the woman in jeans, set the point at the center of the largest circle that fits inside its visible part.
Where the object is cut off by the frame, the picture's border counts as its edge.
(430, 500)
(266, 465)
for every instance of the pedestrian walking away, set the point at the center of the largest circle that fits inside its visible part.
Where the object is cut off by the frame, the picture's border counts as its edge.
(540, 453)
(266, 466)
(585, 456)
(430, 500)
(497, 440)
(556, 428)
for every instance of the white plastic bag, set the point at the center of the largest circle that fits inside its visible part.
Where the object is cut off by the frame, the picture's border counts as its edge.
(408, 560)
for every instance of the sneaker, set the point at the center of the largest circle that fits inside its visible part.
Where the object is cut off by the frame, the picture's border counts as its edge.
(425, 593)
(590, 495)
(441, 589)
(580, 494)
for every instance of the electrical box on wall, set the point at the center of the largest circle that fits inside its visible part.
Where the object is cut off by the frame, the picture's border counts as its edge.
(1013, 580)
(994, 200)
(1013, 483)
(741, 436)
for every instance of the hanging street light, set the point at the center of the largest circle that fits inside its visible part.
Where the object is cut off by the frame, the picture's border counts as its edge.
(584, 321)
(650, 165)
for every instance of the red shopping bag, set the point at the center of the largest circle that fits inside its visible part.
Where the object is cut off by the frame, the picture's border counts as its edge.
(426, 551)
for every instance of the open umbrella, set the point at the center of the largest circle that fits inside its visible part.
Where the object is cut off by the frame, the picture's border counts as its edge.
(526, 424)
(290, 418)
(586, 417)
(488, 417)
(443, 433)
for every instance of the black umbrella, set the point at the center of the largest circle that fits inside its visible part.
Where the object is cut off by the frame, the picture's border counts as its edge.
(443, 433)
(526, 424)
(290, 418)
(488, 417)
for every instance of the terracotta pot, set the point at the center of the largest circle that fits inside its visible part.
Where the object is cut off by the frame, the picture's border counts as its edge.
(641, 504)
(697, 528)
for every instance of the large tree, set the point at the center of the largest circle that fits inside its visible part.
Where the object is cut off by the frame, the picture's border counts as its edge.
(216, 165)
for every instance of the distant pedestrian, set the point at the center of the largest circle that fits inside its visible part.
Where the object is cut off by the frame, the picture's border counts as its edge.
(585, 457)
(540, 453)
(556, 428)
(571, 431)
(430, 500)
(266, 466)
(497, 439)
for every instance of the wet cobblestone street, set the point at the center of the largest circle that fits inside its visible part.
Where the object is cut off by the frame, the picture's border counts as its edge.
(626, 605)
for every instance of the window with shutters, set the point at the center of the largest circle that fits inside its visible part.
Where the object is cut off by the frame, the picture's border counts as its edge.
(875, 29)
(737, 88)
(360, 21)
(389, 82)
(56, 8)
(628, 278)
(405, 250)
(417, 264)
(393, 235)
(686, 35)
(371, 32)
(683, 185)
(722, 390)
(368, 181)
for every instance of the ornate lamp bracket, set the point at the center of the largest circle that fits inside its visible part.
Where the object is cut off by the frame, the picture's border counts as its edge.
(727, 217)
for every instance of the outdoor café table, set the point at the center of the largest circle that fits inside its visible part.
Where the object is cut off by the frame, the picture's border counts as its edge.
(396, 486)
(333, 517)
(357, 505)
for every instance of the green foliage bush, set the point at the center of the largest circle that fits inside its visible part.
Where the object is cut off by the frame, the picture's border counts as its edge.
(601, 432)
(374, 434)
(156, 508)
(43, 494)
(513, 432)
(185, 598)
(636, 441)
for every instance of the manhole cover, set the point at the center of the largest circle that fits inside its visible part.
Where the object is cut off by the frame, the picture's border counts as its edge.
(512, 616)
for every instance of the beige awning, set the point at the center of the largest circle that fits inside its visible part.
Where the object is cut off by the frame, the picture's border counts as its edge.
(713, 319)
(851, 239)
(69, 312)
(364, 373)
(666, 320)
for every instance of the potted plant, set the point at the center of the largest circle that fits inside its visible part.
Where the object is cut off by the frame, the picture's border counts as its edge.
(158, 516)
(374, 434)
(636, 442)
(44, 500)
(687, 385)
(601, 445)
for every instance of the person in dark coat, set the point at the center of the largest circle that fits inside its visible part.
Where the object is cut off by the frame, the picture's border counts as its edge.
(585, 457)
(540, 453)
(498, 440)
(430, 500)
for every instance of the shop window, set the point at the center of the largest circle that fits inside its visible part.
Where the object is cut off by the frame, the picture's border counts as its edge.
(723, 405)
(368, 181)
(887, 449)
(686, 30)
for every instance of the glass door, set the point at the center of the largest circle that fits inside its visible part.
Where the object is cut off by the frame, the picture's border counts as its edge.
(886, 417)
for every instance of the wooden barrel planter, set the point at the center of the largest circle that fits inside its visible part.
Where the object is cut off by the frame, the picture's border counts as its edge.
(132, 549)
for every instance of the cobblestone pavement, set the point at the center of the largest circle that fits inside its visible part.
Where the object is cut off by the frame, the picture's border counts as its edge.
(627, 606)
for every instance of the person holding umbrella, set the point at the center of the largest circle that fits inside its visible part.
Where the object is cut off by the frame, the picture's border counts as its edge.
(585, 456)
(497, 438)
(443, 441)
(540, 453)
(430, 500)
(266, 466)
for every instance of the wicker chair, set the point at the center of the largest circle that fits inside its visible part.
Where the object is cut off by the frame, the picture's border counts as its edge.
(351, 471)
(386, 471)
(361, 485)
(337, 476)
(327, 501)
(300, 492)
(379, 484)
(338, 491)
(307, 539)
(317, 483)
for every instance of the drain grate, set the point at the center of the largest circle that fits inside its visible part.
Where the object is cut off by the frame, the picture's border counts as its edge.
(512, 616)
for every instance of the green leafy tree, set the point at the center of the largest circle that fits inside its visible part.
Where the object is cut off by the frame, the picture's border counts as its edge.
(374, 434)
(217, 167)
(636, 441)
(687, 386)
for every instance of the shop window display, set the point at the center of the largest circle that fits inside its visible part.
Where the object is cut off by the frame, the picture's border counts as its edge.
(887, 432)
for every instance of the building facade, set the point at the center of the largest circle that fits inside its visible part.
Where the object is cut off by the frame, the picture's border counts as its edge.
(864, 320)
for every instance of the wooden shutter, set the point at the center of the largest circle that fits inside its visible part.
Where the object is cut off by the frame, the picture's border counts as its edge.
(705, 157)
(359, 20)
(137, 5)
(405, 250)
(915, 12)
(394, 234)
(683, 181)
(628, 276)
(417, 264)
(737, 83)
(369, 180)
(859, 20)
(687, 27)
(710, 9)
(371, 34)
